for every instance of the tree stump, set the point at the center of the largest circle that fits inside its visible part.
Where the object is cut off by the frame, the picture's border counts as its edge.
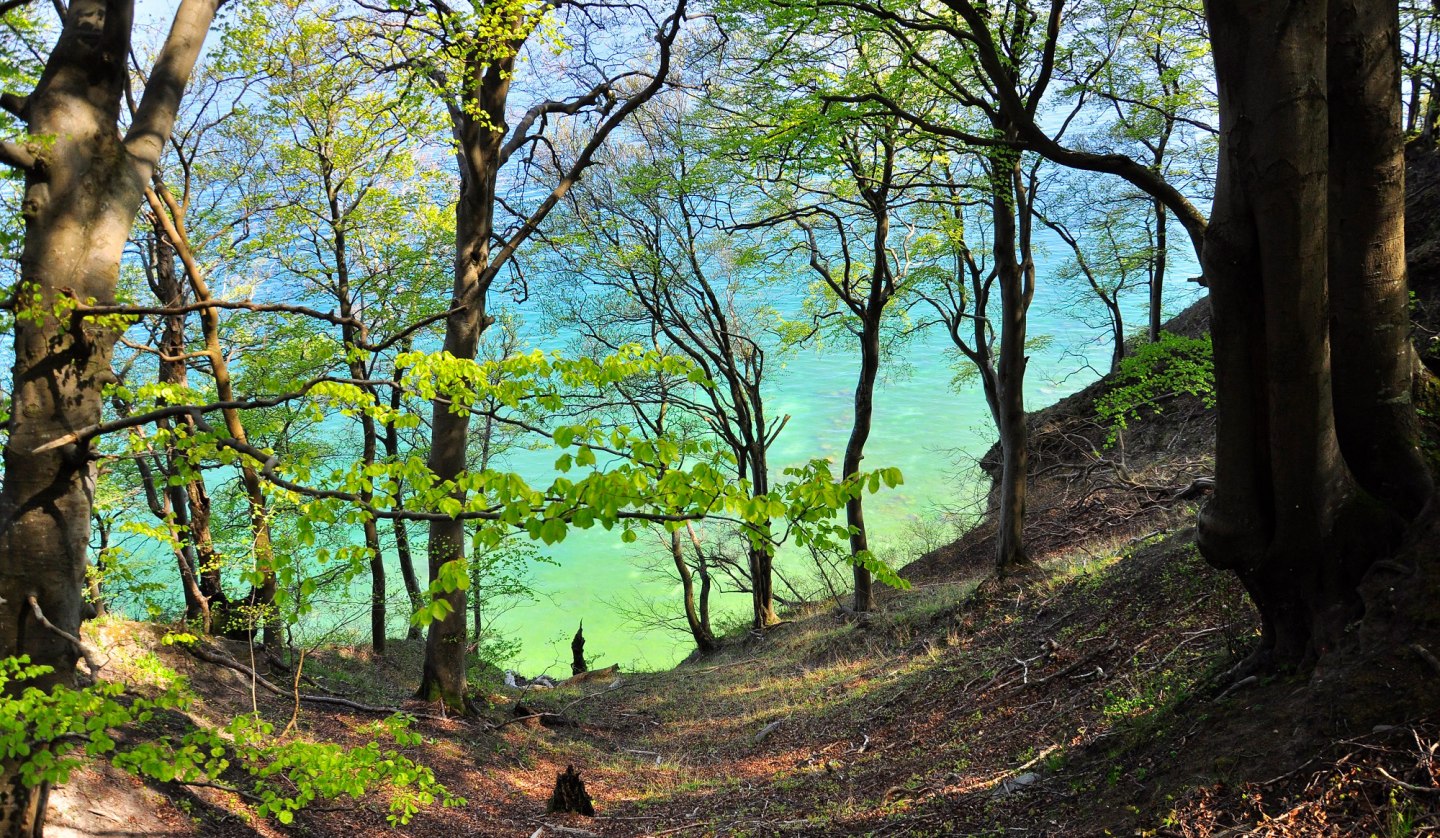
(570, 794)
(577, 651)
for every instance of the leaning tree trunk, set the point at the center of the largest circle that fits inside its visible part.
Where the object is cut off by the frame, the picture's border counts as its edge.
(1305, 261)
(855, 452)
(83, 187)
(257, 606)
(171, 371)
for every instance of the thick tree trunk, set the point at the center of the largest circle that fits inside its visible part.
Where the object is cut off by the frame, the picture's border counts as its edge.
(83, 190)
(1303, 504)
(443, 678)
(1372, 355)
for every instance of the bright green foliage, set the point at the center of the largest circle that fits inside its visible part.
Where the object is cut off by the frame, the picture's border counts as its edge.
(50, 734)
(613, 477)
(1172, 366)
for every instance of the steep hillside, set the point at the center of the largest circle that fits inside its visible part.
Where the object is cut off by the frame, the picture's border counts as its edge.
(1089, 698)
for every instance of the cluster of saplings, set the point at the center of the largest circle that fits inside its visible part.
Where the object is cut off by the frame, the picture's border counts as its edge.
(290, 234)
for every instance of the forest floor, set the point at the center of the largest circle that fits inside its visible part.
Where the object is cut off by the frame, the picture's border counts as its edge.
(1088, 697)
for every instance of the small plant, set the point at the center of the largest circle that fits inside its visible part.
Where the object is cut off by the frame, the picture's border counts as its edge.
(1170, 367)
(50, 734)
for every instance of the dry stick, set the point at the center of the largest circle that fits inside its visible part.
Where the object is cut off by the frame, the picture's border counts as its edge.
(563, 830)
(1426, 655)
(86, 651)
(1074, 666)
(226, 661)
(1404, 785)
(560, 714)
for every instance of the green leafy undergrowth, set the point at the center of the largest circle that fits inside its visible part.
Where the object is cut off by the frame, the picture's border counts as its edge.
(49, 734)
(1170, 367)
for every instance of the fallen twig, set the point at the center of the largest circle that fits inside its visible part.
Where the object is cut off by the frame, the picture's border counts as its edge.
(1404, 785)
(210, 656)
(1239, 685)
(544, 714)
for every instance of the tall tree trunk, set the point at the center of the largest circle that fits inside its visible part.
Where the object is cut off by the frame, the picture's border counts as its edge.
(258, 605)
(403, 554)
(479, 138)
(1157, 274)
(82, 193)
(353, 333)
(172, 370)
(1303, 260)
(1373, 358)
(1015, 272)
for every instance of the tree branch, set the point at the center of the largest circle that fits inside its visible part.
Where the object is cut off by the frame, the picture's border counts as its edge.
(16, 156)
(88, 652)
(159, 107)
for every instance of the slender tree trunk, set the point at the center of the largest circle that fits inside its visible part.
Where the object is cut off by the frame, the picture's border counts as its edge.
(1157, 275)
(97, 594)
(403, 554)
(761, 559)
(206, 559)
(172, 370)
(864, 410)
(258, 605)
(1015, 274)
(352, 334)
(1117, 333)
(1432, 114)
(699, 629)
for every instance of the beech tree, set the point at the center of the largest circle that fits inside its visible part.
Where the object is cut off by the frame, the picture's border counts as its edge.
(962, 290)
(470, 56)
(1142, 70)
(345, 208)
(84, 183)
(1318, 467)
(648, 262)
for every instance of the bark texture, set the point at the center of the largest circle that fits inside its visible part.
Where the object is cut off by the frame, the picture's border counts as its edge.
(1317, 461)
(84, 186)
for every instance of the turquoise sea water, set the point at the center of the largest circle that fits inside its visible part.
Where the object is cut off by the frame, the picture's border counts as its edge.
(922, 426)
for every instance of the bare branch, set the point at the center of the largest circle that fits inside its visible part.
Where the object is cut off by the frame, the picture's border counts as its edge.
(156, 114)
